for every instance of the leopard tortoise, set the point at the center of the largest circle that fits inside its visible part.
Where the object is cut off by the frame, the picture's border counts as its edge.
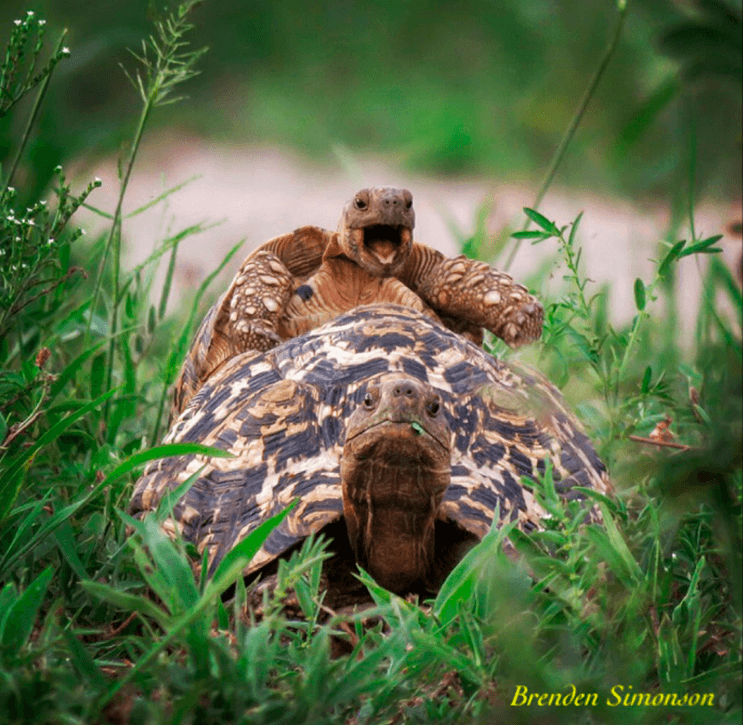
(298, 281)
(400, 439)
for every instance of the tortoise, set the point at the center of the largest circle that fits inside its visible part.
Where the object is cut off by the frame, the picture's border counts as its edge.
(400, 438)
(298, 281)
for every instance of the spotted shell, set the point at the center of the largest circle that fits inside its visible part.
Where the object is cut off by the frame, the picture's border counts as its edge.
(282, 413)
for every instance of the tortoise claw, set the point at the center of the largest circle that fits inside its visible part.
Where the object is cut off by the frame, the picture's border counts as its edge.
(259, 337)
(521, 325)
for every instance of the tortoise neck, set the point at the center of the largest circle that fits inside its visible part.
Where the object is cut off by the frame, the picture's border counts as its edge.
(397, 547)
(390, 502)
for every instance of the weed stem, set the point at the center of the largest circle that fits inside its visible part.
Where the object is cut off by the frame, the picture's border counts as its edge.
(573, 126)
(32, 118)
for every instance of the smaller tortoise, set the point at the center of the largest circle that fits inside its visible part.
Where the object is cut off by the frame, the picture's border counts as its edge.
(298, 281)
(400, 439)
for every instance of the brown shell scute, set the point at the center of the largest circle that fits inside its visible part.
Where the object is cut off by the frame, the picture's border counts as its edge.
(283, 414)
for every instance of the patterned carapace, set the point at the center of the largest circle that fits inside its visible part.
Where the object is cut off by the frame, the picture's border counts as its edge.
(286, 413)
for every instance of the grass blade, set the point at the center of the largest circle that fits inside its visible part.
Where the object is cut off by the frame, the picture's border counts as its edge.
(22, 615)
(541, 221)
(83, 662)
(227, 576)
(69, 372)
(127, 602)
(167, 284)
(66, 543)
(171, 498)
(179, 349)
(10, 557)
(161, 197)
(167, 450)
(639, 294)
(239, 557)
(703, 246)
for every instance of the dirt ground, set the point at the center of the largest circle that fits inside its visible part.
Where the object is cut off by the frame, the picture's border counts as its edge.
(257, 193)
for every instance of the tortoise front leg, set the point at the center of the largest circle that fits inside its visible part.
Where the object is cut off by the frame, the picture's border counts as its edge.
(250, 312)
(245, 318)
(476, 293)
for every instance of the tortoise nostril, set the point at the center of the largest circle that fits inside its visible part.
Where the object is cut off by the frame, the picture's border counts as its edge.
(406, 390)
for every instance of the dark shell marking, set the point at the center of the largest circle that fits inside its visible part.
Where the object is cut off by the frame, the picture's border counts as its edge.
(282, 413)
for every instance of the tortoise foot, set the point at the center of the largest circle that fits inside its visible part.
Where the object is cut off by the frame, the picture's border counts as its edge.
(476, 292)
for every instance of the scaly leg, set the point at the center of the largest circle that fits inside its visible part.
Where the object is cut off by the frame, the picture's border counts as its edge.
(245, 318)
(474, 292)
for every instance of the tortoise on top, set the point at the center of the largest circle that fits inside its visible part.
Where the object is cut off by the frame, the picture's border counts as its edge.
(296, 282)
(400, 439)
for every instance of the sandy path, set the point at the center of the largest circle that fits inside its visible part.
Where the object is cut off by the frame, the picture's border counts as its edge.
(260, 193)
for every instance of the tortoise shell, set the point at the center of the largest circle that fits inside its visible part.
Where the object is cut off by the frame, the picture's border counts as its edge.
(289, 415)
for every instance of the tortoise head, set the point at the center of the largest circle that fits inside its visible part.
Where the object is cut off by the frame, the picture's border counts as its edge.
(376, 230)
(395, 469)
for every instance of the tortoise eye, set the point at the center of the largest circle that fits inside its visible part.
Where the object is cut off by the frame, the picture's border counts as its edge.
(408, 200)
(433, 406)
(371, 397)
(359, 203)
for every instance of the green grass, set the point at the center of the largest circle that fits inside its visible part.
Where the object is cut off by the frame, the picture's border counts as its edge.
(101, 622)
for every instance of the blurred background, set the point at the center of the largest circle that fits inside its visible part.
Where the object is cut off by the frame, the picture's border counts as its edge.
(300, 103)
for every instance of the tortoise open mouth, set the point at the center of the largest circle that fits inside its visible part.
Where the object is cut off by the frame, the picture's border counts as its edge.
(384, 241)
